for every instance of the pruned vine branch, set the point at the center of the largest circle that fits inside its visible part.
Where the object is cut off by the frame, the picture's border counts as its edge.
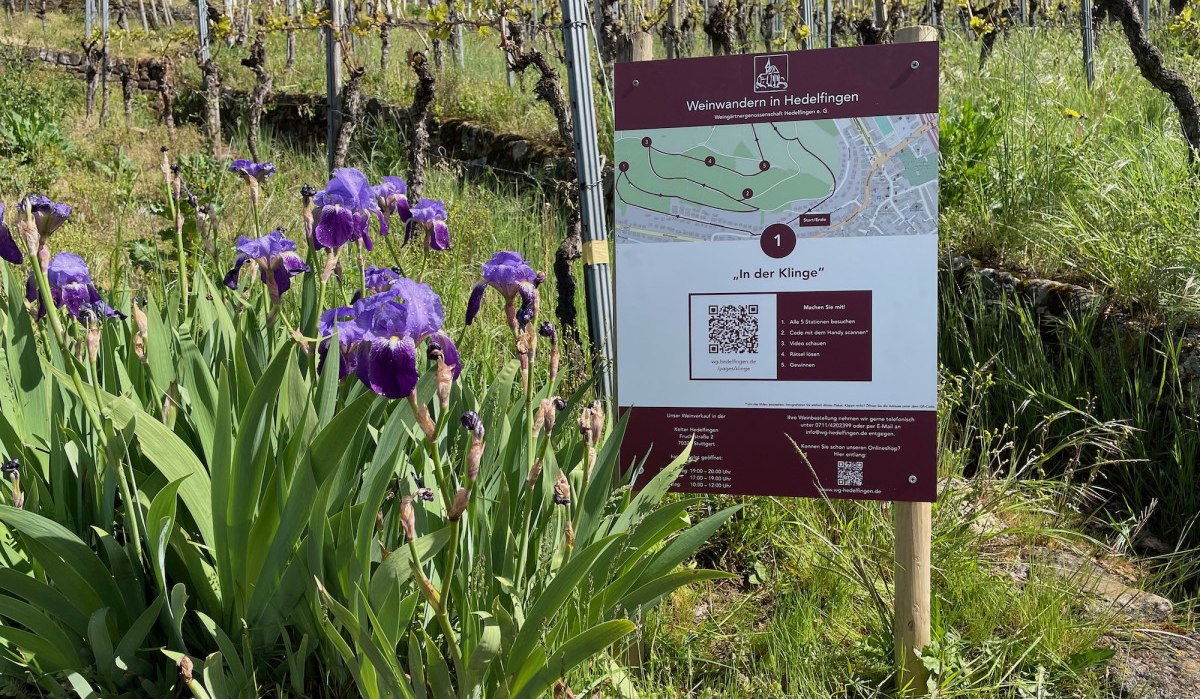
(1150, 62)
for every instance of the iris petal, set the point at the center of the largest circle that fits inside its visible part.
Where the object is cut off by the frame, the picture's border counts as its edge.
(388, 366)
(449, 351)
(475, 301)
(231, 277)
(335, 227)
(286, 266)
(76, 297)
(8, 247)
(528, 303)
(439, 236)
(383, 224)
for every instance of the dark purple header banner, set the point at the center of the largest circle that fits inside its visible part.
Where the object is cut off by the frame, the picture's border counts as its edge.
(860, 81)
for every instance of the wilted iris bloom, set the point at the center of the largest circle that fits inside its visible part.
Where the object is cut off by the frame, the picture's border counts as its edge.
(393, 324)
(48, 216)
(430, 215)
(276, 258)
(509, 274)
(71, 287)
(345, 209)
(392, 197)
(252, 171)
(9, 250)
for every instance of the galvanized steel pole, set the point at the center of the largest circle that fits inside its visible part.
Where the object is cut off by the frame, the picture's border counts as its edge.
(597, 283)
(333, 79)
(807, 8)
(1085, 21)
(202, 28)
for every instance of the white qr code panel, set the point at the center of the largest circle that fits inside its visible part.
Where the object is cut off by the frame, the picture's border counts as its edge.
(733, 337)
(849, 473)
(733, 328)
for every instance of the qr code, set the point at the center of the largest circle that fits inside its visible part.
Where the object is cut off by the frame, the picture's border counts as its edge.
(733, 329)
(850, 472)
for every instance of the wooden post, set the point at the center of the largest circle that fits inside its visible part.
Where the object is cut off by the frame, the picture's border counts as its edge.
(911, 623)
(914, 537)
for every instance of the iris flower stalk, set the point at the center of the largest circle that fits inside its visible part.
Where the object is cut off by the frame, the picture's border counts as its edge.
(254, 174)
(462, 499)
(27, 229)
(34, 230)
(171, 181)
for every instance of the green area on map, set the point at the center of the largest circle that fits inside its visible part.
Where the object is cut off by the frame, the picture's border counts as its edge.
(713, 166)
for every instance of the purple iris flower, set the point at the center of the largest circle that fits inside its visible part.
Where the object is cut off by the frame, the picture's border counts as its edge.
(509, 274)
(71, 287)
(9, 250)
(276, 258)
(346, 206)
(393, 324)
(380, 279)
(430, 215)
(392, 196)
(349, 334)
(250, 170)
(48, 216)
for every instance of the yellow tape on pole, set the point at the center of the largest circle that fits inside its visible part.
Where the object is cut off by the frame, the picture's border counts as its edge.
(595, 252)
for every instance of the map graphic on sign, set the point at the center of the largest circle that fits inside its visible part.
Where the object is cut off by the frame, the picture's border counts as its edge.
(776, 270)
(836, 177)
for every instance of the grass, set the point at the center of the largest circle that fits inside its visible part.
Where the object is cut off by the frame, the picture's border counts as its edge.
(115, 185)
(479, 91)
(1106, 200)
(811, 616)
(1045, 434)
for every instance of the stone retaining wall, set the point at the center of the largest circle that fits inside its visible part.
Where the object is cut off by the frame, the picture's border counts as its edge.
(1058, 299)
(302, 116)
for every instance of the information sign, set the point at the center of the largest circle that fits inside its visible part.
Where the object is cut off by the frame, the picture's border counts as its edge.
(776, 269)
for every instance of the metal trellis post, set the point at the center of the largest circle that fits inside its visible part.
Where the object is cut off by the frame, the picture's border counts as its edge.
(807, 20)
(202, 28)
(596, 279)
(1089, 64)
(333, 78)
